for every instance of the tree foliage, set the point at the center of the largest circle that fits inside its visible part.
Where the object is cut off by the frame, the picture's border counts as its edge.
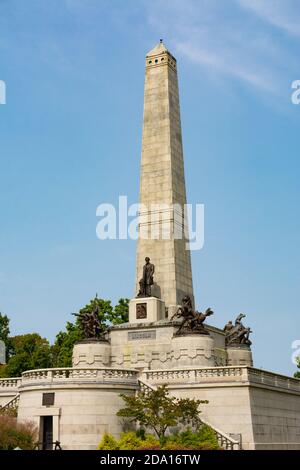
(4, 328)
(297, 374)
(29, 351)
(4, 333)
(63, 346)
(61, 351)
(120, 313)
(157, 410)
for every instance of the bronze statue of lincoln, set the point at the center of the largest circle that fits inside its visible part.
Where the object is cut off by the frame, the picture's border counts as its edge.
(147, 280)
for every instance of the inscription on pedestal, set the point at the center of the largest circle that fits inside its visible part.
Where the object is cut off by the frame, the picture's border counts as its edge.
(141, 311)
(132, 335)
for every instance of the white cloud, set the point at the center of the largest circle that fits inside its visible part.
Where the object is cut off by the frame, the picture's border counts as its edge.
(229, 67)
(227, 40)
(284, 14)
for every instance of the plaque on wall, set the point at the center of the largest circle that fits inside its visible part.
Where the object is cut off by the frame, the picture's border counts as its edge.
(48, 399)
(141, 311)
(149, 334)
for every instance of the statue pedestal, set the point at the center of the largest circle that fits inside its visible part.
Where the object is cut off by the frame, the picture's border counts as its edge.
(239, 355)
(146, 310)
(193, 350)
(91, 353)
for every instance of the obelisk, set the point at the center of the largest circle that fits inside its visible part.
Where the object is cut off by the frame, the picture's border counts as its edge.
(162, 182)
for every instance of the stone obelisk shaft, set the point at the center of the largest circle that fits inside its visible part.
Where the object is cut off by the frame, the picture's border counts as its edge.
(162, 181)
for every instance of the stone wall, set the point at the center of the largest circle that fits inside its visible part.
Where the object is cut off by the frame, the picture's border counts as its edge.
(85, 403)
(275, 414)
(154, 346)
(261, 406)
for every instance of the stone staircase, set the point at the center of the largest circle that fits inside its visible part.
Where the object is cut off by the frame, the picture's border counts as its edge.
(11, 405)
(225, 442)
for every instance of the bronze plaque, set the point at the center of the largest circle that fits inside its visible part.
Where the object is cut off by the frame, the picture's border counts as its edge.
(141, 311)
(48, 399)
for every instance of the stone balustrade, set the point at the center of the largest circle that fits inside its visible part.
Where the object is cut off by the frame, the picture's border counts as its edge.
(272, 379)
(10, 383)
(68, 375)
(200, 375)
(195, 375)
(230, 374)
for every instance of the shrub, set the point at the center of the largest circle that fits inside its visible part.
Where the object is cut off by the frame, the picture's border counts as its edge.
(14, 434)
(174, 446)
(206, 433)
(149, 442)
(149, 447)
(108, 442)
(129, 440)
(202, 439)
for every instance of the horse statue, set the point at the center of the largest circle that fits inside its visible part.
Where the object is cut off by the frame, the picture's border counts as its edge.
(192, 320)
(237, 334)
(90, 323)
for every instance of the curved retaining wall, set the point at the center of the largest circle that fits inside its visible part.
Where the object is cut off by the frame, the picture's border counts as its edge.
(85, 403)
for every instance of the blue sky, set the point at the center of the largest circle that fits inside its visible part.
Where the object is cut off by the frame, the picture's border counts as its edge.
(70, 139)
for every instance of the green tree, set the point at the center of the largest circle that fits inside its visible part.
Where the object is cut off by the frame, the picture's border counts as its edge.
(29, 351)
(120, 312)
(4, 328)
(156, 410)
(4, 333)
(62, 349)
(297, 374)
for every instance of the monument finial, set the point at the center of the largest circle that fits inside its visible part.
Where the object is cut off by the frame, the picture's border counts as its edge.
(161, 41)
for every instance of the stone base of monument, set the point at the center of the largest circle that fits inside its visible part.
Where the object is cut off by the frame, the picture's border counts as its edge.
(91, 353)
(146, 309)
(239, 355)
(193, 350)
(172, 310)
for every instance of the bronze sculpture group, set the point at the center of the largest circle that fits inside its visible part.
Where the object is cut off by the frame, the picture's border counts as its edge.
(192, 321)
(237, 334)
(90, 323)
